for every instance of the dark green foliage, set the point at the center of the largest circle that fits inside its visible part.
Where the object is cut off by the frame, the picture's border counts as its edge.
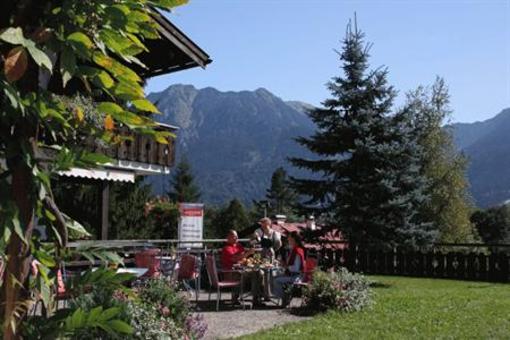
(233, 216)
(493, 224)
(81, 200)
(211, 213)
(128, 213)
(280, 195)
(444, 167)
(183, 186)
(128, 218)
(367, 177)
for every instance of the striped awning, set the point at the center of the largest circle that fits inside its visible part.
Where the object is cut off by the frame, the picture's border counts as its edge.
(101, 174)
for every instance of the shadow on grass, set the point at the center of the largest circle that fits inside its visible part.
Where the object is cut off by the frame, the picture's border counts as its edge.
(305, 311)
(376, 284)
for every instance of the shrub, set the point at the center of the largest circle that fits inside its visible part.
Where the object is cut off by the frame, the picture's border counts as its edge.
(342, 291)
(170, 302)
(149, 322)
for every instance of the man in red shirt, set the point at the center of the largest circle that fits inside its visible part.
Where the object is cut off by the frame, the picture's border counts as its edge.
(232, 253)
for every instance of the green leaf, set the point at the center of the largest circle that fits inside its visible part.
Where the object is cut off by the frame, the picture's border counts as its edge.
(127, 91)
(94, 158)
(94, 314)
(76, 230)
(103, 79)
(7, 234)
(118, 70)
(109, 107)
(117, 15)
(168, 4)
(80, 42)
(13, 35)
(145, 105)
(109, 313)
(17, 228)
(45, 258)
(40, 58)
(67, 65)
(121, 327)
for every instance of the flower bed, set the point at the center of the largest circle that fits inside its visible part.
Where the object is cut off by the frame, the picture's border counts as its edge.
(153, 309)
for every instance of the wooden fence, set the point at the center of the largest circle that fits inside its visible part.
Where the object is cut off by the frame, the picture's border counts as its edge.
(494, 267)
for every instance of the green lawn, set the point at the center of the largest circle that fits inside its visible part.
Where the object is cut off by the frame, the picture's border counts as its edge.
(409, 308)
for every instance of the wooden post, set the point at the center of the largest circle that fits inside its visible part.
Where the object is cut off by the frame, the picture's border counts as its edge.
(104, 210)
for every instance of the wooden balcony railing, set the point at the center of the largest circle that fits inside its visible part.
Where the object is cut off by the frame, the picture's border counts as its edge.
(143, 149)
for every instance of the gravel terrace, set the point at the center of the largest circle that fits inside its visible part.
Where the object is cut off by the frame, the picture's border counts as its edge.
(231, 321)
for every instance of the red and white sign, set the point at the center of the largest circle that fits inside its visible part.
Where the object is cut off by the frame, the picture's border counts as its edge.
(191, 224)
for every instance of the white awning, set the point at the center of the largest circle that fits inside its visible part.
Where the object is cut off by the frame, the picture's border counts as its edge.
(101, 174)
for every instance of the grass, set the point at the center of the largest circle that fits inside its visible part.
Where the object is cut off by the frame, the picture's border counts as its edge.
(411, 308)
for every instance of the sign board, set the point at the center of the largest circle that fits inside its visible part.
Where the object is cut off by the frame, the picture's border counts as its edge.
(191, 224)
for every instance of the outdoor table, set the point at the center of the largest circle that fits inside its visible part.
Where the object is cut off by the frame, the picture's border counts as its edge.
(243, 270)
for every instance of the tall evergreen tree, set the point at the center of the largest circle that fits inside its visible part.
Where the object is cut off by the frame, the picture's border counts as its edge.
(280, 194)
(233, 216)
(450, 205)
(183, 185)
(368, 179)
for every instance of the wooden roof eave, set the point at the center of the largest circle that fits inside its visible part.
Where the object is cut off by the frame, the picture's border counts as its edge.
(170, 33)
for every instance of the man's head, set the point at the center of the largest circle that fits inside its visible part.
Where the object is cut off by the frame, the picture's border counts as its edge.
(265, 224)
(232, 237)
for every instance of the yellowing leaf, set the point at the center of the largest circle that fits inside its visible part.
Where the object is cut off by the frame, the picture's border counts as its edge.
(118, 70)
(79, 114)
(161, 139)
(15, 64)
(108, 123)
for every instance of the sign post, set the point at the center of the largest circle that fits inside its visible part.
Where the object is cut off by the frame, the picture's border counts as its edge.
(191, 224)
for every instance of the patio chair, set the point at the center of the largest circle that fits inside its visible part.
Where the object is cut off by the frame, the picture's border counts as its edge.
(212, 273)
(148, 258)
(189, 271)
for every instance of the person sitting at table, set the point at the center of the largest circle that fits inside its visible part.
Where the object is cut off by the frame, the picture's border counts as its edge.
(233, 252)
(294, 268)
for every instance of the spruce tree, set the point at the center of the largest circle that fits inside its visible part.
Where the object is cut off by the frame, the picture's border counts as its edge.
(183, 185)
(233, 216)
(280, 195)
(367, 176)
(450, 204)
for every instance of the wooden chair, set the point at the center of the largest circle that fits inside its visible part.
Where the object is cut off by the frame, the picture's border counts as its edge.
(212, 273)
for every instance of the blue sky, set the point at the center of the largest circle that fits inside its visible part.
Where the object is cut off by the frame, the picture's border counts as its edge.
(287, 47)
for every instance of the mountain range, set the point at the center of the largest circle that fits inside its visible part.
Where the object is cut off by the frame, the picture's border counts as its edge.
(487, 146)
(235, 140)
